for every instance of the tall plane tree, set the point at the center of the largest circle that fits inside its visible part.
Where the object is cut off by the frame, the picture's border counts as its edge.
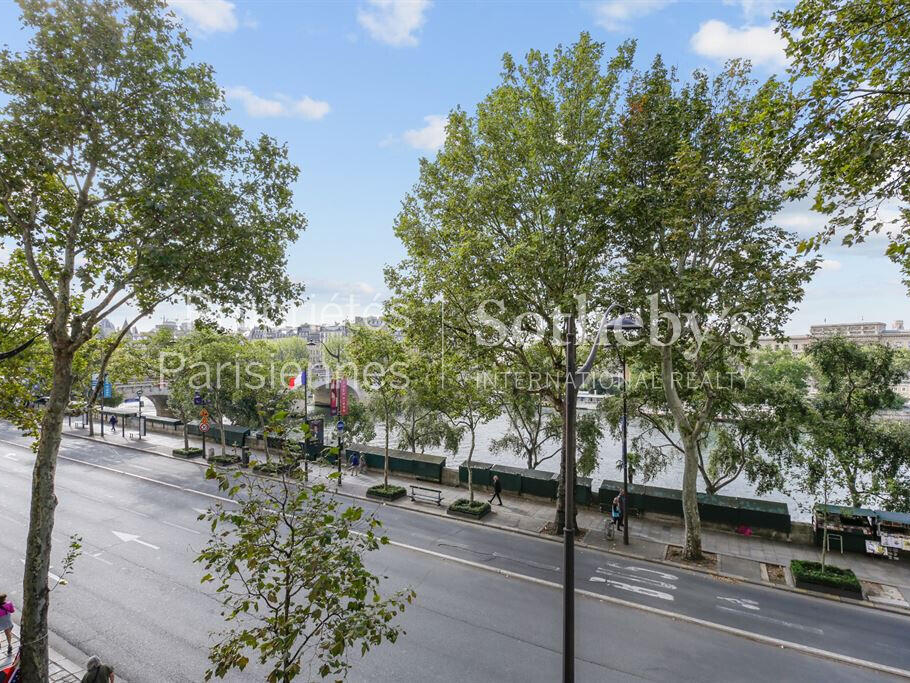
(503, 223)
(703, 263)
(123, 186)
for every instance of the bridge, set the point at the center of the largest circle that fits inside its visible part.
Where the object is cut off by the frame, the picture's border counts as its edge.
(158, 392)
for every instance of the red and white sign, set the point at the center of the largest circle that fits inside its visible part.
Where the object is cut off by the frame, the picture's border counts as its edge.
(343, 396)
(203, 427)
(333, 397)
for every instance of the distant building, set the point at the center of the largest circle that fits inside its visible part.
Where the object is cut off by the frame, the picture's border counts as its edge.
(895, 337)
(106, 328)
(861, 333)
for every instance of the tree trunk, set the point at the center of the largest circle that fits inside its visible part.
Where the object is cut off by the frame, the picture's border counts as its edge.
(385, 463)
(186, 436)
(690, 501)
(35, 593)
(470, 474)
(692, 549)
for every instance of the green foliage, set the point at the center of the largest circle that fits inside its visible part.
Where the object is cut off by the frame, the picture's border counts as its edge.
(287, 564)
(756, 417)
(700, 175)
(389, 491)
(845, 447)
(380, 363)
(835, 577)
(854, 58)
(476, 508)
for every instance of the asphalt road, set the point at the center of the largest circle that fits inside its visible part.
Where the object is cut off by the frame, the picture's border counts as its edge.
(136, 600)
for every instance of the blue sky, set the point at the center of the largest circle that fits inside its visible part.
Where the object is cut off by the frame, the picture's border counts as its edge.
(359, 91)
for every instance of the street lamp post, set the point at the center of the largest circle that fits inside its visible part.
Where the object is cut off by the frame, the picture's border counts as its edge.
(574, 379)
(624, 323)
(139, 394)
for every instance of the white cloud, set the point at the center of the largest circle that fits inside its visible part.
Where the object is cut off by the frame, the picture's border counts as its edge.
(279, 106)
(208, 16)
(757, 8)
(830, 264)
(431, 137)
(394, 22)
(615, 15)
(719, 40)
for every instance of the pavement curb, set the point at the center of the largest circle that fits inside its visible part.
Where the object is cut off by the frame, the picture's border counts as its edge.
(553, 539)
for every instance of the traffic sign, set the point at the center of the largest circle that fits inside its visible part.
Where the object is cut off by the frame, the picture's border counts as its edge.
(203, 427)
(203, 413)
(197, 399)
(108, 390)
(340, 425)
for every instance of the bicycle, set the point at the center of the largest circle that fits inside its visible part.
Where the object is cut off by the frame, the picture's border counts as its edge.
(610, 528)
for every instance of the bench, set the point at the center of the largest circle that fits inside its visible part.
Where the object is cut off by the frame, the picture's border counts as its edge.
(427, 494)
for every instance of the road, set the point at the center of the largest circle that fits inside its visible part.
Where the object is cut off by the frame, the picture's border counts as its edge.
(136, 600)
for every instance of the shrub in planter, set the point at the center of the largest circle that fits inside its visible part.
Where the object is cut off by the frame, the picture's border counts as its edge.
(186, 452)
(389, 492)
(832, 580)
(463, 506)
(225, 459)
(273, 467)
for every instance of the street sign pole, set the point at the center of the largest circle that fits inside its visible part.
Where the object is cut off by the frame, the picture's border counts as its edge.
(340, 428)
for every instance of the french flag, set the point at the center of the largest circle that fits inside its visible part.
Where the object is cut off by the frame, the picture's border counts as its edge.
(298, 381)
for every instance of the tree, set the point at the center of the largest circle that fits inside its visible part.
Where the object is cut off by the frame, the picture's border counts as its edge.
(845, 444)
(288, 564)
(534, 432)
(702, 263)
(380, 362)
(129, 189)
(756, 419)
(460, 396)
(503, 226)
(854, 56)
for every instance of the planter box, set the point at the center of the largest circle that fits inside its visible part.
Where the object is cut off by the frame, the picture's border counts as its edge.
(830, 590)
(383, 493)
(188, 453)
(843, 582)
(225, 459)
(460, 508)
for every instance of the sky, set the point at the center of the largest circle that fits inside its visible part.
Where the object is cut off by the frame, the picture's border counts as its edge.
(359, 91)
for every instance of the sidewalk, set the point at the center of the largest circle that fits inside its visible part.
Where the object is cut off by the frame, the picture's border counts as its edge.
(887, 582)
(60, 670)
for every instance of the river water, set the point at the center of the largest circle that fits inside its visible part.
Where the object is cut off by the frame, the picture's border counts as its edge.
(609, 454)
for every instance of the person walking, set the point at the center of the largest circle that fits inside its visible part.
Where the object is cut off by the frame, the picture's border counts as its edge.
(619, 510)
(96, 672)
(354, 464)
(113, 422)
(6, 622)
(497, 489)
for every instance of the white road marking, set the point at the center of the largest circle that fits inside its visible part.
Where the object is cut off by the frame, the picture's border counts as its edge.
(97, 556)
(641, 590)
(177, 526)
(132, 512)
(11, 456)
(133, 538)
(742, 602)
(140, 467)
(788, 624)
(722, 628)
(639, 579)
